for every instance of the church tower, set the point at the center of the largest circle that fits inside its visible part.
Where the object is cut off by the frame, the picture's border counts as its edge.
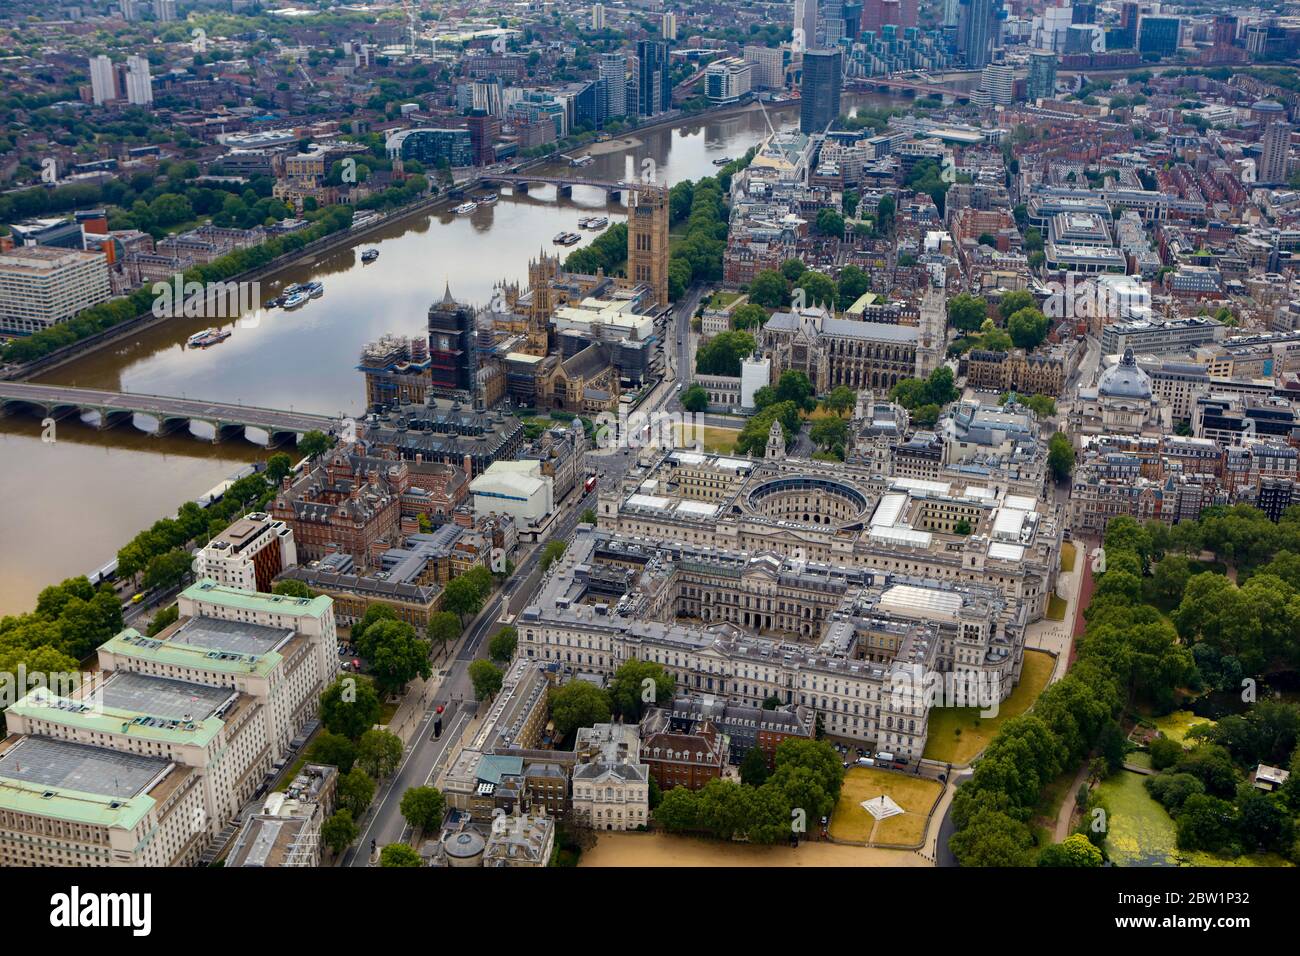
(542, 273)
(647, 239)
(775, 443)
(932, 336)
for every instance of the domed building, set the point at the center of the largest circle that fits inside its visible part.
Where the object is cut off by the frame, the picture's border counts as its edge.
(1121, 403)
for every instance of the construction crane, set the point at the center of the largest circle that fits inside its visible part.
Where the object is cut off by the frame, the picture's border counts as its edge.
(410, 8)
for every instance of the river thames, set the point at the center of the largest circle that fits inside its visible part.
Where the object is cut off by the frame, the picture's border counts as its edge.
(67, 506)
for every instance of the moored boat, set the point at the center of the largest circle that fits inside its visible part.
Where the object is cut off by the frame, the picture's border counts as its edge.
(201, 340)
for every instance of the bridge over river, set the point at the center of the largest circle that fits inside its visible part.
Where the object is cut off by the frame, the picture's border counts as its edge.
(168, 413)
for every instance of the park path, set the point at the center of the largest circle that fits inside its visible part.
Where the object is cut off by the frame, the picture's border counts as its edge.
(1066, 813)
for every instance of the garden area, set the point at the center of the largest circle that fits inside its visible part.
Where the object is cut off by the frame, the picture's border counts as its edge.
(1181, 675)
(958, 734)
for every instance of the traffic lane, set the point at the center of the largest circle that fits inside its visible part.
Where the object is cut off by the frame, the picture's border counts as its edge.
(386, 825)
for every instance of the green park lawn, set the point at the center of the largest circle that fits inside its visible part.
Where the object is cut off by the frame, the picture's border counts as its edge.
(720, 441)
(916, 795)
(1067, 557)
(1175, 725)
(958, 734)
(1056, 606)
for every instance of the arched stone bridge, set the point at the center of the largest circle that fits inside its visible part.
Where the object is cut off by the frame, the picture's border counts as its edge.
(563, 184)
(171, 414)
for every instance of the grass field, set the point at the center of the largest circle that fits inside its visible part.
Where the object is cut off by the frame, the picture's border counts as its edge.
(1067, 557)
(1176, 724)
(916, 795)
(717, 440)
(1056, 606)
(958, 734)
(721, 299)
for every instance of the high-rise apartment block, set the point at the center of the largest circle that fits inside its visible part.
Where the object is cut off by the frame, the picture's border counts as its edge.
(654, 81)
(1041, 83)
(613, 74)
(139, 83)
(1274, 153)
(103, 80)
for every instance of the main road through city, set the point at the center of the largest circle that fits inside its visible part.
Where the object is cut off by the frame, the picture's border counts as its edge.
(456, 695)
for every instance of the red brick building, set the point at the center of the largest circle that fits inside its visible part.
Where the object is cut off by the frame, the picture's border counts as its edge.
(681, 752)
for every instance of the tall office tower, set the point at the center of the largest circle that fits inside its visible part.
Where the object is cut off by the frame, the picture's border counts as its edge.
(819, 103)
(805, 25)
(878, 14)
(164, 10)
(998, 80)
(451, 344)
(613, 71)
(654, 82)
(831, 26)
(103, 80)
(139, 83)
(852, 19)
(1083, 13)
(668, 26)
(1041, 83)
(1159, 35)
(598, 16)
(129, 12)
(1225, 31)
(1128, 26)
(951, 13)
(647, 239)
(976, 33)
(1274, 149)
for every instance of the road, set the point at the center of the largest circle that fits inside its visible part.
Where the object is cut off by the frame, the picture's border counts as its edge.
(384, 823)
(679, 349)
(163, 407)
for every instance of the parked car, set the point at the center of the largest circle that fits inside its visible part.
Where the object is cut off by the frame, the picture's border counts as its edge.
(865, 762)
